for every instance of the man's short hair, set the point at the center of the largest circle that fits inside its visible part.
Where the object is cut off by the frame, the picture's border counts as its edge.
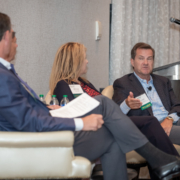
(5, 24)
(141, 45)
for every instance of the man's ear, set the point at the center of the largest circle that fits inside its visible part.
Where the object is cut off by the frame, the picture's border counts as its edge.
(5, 36)
(132, 62)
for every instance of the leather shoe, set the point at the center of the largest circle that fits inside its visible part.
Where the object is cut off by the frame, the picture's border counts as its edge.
(168, 171)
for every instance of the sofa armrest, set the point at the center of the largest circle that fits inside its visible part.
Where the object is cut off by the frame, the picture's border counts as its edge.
(31, 139)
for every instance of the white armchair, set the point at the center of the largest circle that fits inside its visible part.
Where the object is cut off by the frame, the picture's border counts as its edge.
(46, 155)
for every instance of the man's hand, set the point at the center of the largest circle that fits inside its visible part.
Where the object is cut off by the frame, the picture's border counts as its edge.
(132, 102)
(92, 122)
(167, 125)
(54, 107)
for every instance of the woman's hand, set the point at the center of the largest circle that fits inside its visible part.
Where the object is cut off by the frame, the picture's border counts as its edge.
(54, 107)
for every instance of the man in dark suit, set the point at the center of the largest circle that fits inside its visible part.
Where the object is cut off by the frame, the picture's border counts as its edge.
(105, 132)
(165, 106)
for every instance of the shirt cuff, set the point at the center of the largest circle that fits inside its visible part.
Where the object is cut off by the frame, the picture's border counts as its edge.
(78, 124)
(174, 116)
(124, 107)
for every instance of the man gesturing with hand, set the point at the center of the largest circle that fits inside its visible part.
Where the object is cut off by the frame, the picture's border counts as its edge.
(165, 106)
(132, 102)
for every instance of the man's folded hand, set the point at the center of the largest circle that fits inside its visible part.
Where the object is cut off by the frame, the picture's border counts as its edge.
(92, 122)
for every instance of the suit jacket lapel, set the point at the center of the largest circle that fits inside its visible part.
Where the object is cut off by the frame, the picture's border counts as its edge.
(3, 67)
(139, 88)
(159, 88)
(9, 71)
(136, 84)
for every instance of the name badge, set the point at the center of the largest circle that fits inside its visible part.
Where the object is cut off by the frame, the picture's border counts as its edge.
(76, 90)
(145, 101)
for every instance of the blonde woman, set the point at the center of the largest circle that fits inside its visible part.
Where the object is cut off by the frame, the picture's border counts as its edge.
(69, 65)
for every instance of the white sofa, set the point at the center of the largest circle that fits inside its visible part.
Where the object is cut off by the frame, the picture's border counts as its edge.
(46, 155)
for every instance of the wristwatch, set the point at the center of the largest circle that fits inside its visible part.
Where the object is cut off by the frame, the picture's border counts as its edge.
(170, 118)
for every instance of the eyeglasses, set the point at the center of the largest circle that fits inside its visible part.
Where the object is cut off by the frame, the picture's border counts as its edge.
(13, 34)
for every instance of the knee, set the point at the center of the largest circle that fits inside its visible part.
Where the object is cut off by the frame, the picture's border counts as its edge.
(149, 119)
(154, 120)
(100, 97)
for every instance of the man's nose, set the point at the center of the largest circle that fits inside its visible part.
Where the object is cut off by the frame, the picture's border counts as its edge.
(145, 61)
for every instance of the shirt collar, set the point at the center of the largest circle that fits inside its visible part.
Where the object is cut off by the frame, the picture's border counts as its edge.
(143, 80)
(5, 63)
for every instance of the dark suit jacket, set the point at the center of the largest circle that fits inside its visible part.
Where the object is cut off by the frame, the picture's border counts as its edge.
(127, 83)
(19, 111)
(62, 88)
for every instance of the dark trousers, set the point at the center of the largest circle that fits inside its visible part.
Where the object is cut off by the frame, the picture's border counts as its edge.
(152, 129)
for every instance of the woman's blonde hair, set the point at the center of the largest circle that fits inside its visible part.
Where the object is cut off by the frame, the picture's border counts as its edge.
(67, 64)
